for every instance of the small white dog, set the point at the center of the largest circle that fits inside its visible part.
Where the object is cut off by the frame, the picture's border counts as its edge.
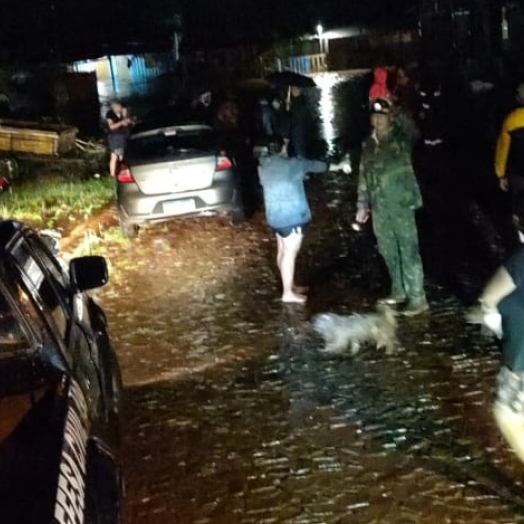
(340, 332)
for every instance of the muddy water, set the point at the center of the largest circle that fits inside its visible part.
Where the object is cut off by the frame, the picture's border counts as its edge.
(233, 416)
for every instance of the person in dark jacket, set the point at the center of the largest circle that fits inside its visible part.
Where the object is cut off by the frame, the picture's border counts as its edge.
(502, 310)
(119, 127)
(274, 118)
(430, 111)
(296, 137)
(287, 211)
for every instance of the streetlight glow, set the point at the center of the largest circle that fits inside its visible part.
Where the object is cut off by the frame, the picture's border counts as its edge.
(320, 30)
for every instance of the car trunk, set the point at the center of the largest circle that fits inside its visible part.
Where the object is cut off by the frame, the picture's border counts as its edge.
(175, 176)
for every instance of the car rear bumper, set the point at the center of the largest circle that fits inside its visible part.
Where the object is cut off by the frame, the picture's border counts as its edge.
(137, 208)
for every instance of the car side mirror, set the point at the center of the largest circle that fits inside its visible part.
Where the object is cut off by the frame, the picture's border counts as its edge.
(88, 273)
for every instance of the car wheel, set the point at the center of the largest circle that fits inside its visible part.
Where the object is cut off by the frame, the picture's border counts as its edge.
(114, 402)
(109, 370)
(238, 214)
(104, 486)
(128, 230)
(110, 403)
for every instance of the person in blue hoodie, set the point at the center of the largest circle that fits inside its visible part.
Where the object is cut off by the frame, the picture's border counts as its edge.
(287, 210)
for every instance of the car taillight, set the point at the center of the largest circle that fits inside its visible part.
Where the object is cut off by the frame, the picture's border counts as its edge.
(124, 175)
(223, 162)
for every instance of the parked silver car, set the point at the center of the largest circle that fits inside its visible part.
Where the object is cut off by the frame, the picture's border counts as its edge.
(176, 171)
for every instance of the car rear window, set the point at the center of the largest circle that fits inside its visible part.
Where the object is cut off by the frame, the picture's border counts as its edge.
(171, 142)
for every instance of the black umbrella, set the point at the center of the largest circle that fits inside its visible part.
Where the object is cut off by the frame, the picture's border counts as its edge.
(288, 78)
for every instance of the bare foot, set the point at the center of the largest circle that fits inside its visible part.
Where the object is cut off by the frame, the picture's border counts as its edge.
(301, 290)
(294, 298)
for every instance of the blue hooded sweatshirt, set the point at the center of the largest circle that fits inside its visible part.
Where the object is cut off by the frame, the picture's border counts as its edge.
(284, 194)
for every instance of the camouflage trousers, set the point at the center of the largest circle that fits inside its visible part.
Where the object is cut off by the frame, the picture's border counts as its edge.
(397, 238)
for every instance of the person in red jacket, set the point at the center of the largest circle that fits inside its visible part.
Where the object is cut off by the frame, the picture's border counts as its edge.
(379, 88)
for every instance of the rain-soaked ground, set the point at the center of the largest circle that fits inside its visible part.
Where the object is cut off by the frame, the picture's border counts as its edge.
(232, 415)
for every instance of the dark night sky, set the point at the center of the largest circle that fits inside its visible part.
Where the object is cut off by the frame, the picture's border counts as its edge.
(68, 28)
(36, 29)
(213, 21)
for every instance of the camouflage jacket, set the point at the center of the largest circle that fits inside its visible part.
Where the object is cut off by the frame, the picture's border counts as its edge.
(387, 179)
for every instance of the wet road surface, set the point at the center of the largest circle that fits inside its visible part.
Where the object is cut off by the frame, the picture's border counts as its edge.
(233, 416)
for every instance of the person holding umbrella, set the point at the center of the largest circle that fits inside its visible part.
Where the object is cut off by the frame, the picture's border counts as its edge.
(298, 120)
(295, 137)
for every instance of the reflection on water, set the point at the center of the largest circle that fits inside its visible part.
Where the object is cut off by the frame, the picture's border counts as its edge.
(251, 424)
(326, 83)
(342, 108)
(233, 416)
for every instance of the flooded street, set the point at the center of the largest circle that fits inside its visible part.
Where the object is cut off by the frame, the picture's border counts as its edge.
(232, 415)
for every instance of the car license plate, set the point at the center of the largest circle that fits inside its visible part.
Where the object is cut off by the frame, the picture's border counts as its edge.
(177, 207)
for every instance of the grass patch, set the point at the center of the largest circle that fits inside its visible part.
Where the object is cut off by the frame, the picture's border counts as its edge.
(53, 202)
(109, 243)
(101, 241)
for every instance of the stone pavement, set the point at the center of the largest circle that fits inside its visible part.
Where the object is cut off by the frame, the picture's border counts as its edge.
(233, 415)
(291, 436)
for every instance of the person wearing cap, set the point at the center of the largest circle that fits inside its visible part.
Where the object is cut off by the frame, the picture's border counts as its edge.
(389, 193)
(509, 153)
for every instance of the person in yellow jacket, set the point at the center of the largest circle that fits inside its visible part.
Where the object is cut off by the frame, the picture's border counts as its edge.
(509, 154)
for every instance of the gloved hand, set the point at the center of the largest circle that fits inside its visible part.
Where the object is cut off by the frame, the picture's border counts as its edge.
(485, 316)
(343, 164)
(362, 215)
(493, 321)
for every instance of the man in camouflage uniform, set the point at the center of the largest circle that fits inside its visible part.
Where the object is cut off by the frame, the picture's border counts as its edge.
(388, 190)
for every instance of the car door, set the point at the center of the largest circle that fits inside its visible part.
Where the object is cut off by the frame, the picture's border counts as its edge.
(49, 287)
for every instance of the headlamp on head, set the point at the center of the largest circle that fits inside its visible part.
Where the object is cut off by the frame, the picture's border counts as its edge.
(381, 106)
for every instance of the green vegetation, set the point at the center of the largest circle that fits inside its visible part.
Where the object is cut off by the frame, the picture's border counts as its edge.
(55, 202)
(101, 241)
